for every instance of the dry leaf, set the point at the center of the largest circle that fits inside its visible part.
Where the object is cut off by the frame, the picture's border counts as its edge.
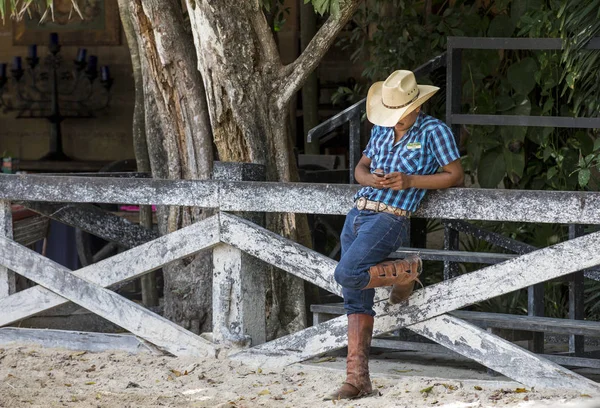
(177, 373)
(92, 368)
(259, 370)
(90, 383)
(264, 392)
(478, 388)
(520, 390)
(68, 385)
(325, 359)
(427, 390)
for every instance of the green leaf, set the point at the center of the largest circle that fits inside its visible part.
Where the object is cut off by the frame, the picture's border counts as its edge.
(515, 164)
(547, 153)
(521, 75)
(335, 8)
(585, 142)
(548, 105)
(504, 103)
(522, 106)
(584, 177)
(491, 169)
(501, 26)
(513, 133)
(596, 144)
(551, 172)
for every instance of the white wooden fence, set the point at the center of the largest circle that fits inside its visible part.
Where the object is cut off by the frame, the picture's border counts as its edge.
(235, 319)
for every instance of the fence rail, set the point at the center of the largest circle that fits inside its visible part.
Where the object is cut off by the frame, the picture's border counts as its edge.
(426, 312)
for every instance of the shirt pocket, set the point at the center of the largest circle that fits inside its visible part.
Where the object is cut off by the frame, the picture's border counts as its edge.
(411, 160)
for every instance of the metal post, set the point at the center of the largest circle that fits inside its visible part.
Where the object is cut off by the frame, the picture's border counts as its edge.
(453, 86)
(576, 297)
(7, 277)
(450, 243)
(238, 279)
(355, 153)
(535, 307)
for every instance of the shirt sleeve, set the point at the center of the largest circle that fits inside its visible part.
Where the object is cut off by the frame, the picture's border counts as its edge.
(370, 149)
(443, 145)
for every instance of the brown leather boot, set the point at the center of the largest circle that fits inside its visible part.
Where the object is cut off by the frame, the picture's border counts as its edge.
(358, 382)
(401, 274)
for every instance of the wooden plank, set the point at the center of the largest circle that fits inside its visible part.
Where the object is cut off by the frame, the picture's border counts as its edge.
(501, 356)
(566, 207)
(456, 256)
(502, 320)
(393, 344)
(96, 221)
(103, 302)
(238, 298)
(7, 277)
(535, 267)
(542, 324)
(70, 189)
(538, 266)
(119, 268)
(281, 252)
(73, 340)
(429, 303)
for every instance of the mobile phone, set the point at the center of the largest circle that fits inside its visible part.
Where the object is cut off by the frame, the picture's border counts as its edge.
(379, 174)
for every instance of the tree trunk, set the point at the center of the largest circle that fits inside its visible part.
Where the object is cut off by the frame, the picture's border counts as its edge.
(179, 143)
(310, 90)
(248, 92)
(140, 145)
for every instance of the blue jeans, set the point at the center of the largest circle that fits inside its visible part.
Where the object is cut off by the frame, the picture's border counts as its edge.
(367, 239)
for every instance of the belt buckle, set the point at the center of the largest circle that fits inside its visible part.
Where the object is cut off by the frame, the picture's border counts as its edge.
(361, 203)
(381, 206)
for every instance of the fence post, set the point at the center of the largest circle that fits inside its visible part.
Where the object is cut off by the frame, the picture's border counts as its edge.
(238, 278)
(355, 153)
(576, 298)
(451, 243)
(7, 277)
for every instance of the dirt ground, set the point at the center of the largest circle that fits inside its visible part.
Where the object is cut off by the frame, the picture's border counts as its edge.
(41, 377)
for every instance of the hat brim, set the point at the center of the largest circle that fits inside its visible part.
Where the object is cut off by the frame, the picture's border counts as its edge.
(379, 114)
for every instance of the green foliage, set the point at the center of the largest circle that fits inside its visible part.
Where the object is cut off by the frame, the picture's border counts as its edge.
(579, 22)
(276, 13)
(325, 6)
(394, 34)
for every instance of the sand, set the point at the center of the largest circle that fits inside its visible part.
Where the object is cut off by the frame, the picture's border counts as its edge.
(43, 377)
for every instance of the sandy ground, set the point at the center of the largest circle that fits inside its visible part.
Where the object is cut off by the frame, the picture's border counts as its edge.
(42, 377)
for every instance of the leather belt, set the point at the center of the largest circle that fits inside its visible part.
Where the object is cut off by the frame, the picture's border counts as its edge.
(363, 204)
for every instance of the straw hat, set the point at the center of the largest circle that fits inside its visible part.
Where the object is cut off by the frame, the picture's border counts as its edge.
(391, 100)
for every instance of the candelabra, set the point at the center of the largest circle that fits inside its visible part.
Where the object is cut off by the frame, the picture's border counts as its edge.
(53, 93)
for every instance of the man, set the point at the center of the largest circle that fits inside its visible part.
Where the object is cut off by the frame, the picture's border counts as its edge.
(400, 163)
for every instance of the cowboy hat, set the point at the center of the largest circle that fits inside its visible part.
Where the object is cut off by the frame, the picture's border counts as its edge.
(391, 100)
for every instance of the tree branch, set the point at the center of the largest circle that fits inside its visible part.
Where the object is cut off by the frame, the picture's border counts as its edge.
(295, 74)
(267, 41)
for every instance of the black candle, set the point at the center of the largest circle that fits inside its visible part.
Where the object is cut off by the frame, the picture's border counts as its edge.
(32, 51)
(3, 70)
(81, 55)
(93, 63)
(17, 64)
(105, 73)
(53, 39)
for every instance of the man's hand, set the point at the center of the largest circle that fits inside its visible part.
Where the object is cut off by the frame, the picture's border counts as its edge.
(396, 181)
(376, 181)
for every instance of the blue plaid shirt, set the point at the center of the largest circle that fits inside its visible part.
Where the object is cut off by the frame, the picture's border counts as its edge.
(427, 146)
